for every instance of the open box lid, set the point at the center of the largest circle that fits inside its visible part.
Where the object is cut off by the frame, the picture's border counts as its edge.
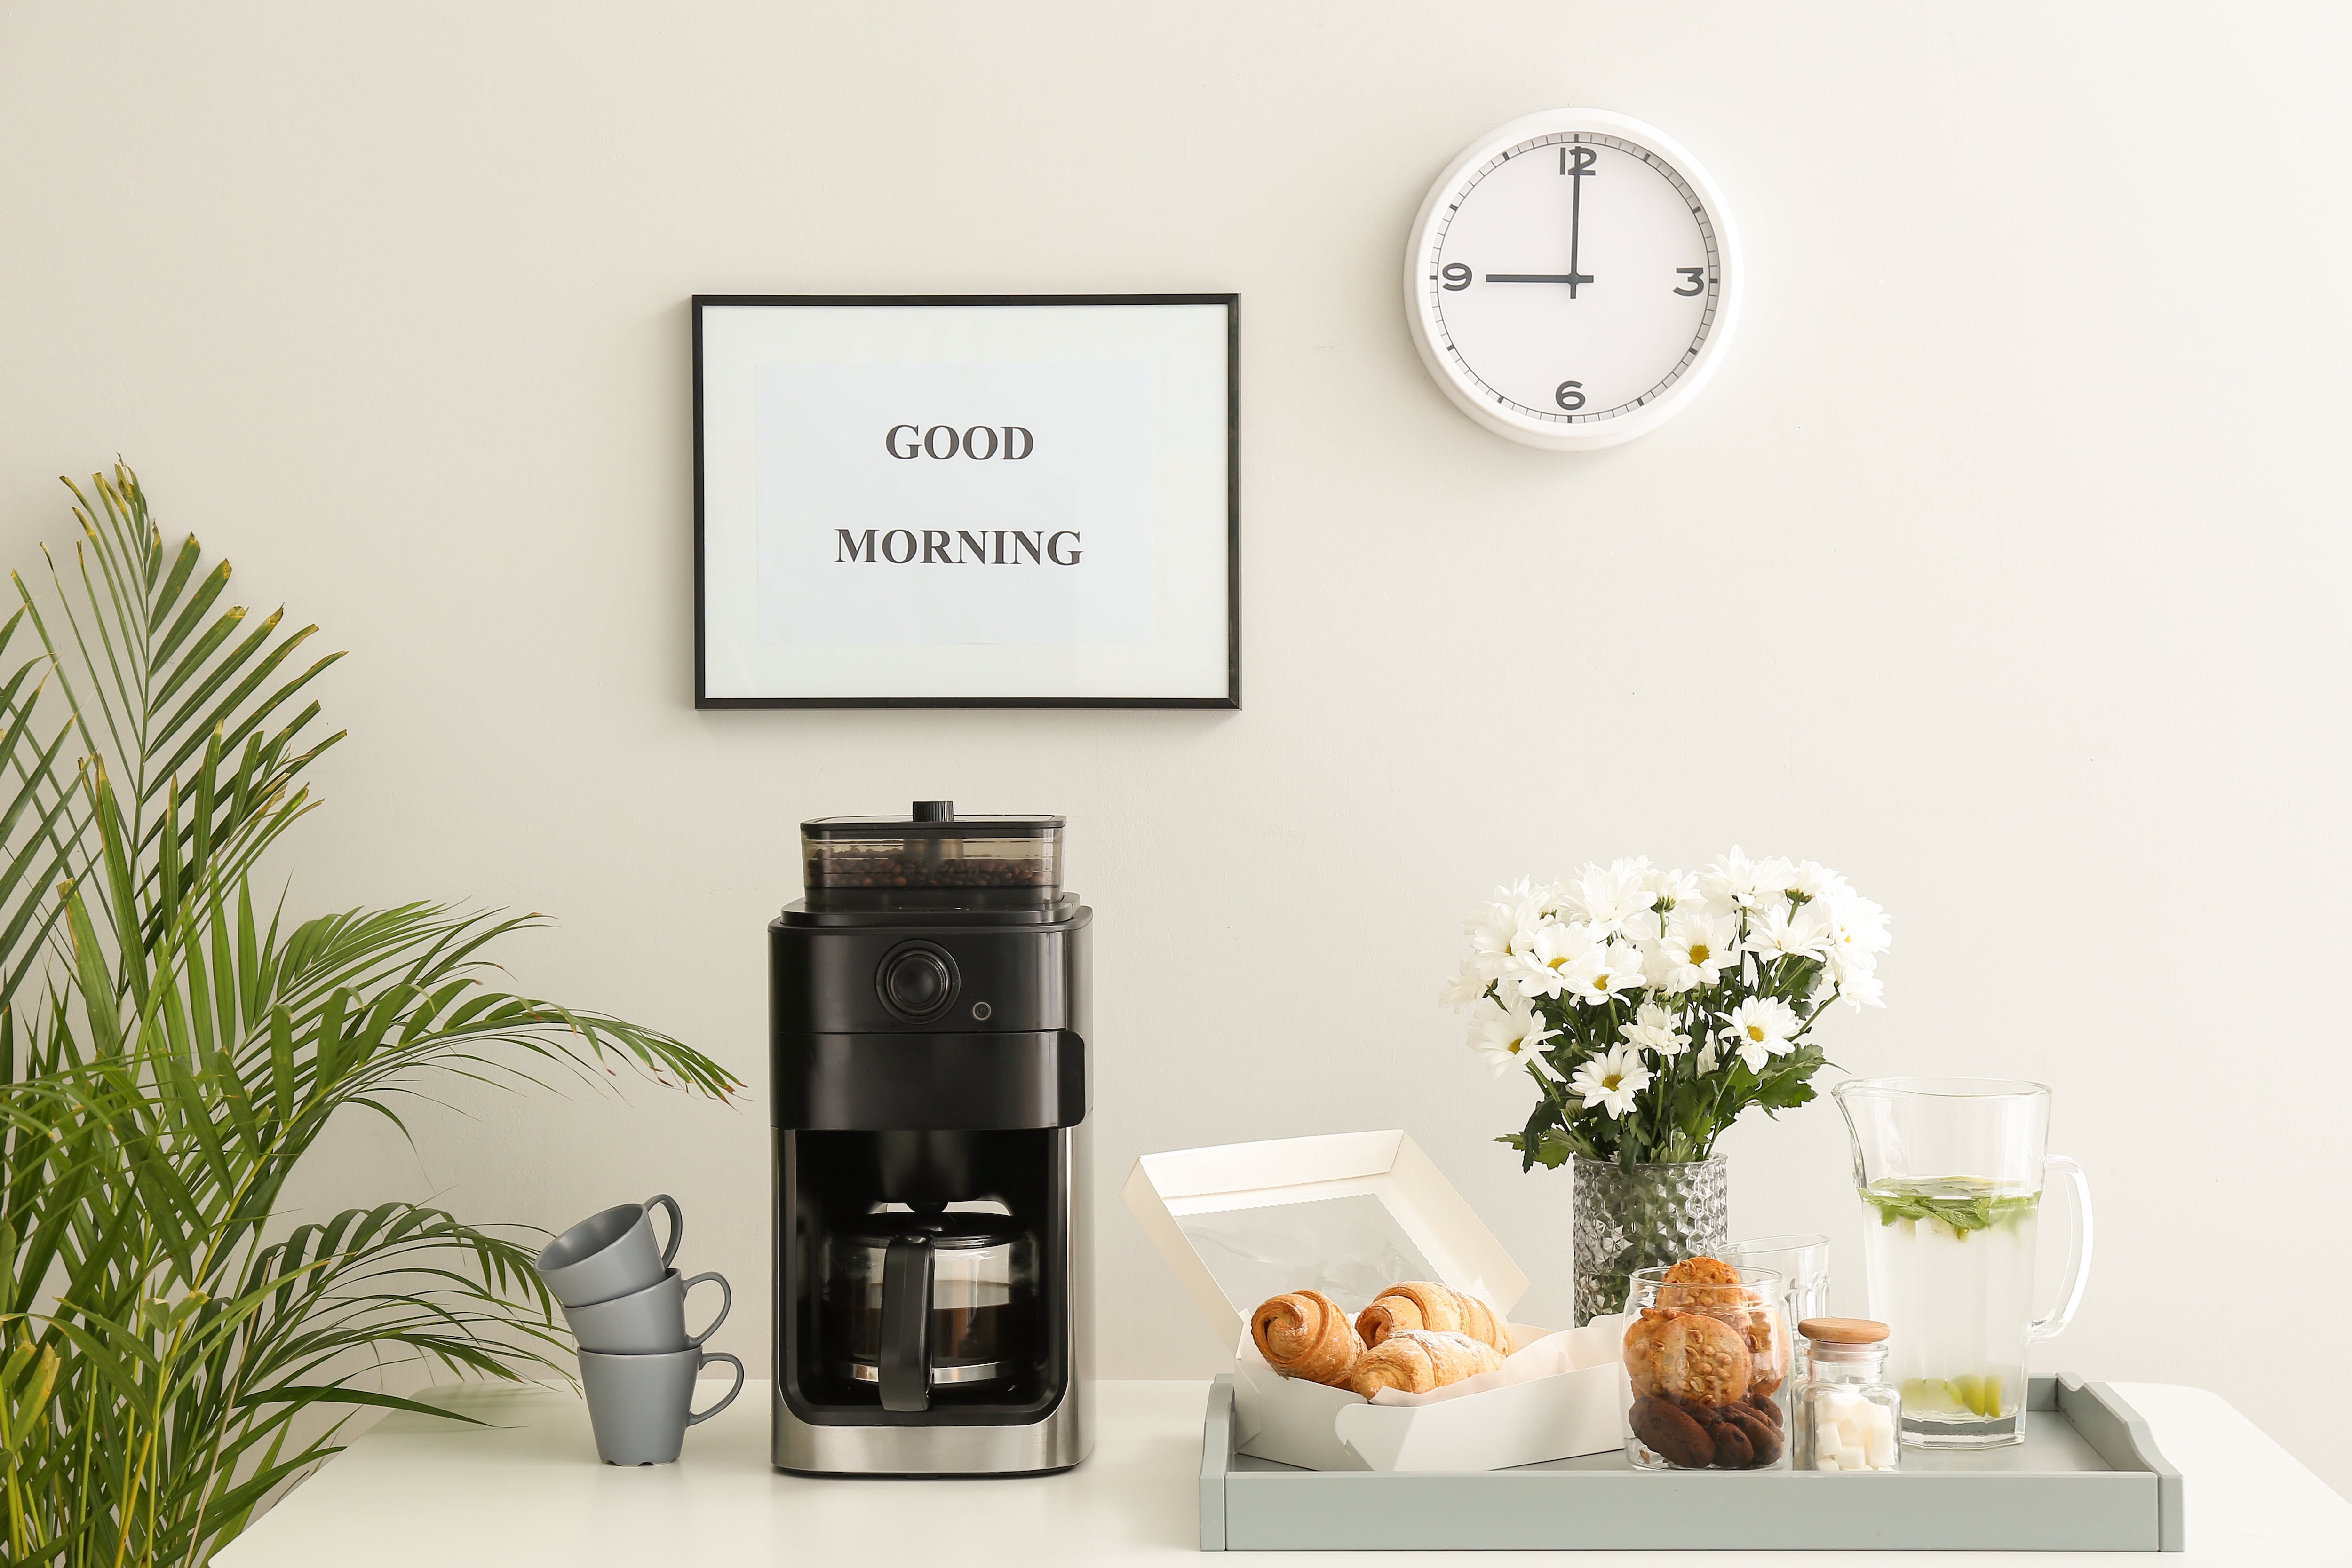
(1349, 1213)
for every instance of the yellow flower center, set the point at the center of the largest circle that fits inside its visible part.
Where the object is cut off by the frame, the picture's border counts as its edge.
(1600, 981)
(1698, 952)
(1755, 1032)
(1611, 1082)
(1559, 963)
(1514, 1047)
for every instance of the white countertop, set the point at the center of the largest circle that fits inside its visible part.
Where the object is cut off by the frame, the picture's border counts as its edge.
(529, 1489)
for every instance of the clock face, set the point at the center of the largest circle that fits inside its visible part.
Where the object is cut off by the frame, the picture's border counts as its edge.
(1573, 279)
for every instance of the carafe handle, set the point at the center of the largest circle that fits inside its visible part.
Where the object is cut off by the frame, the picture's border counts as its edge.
(904, 1373)
(2078, 1250)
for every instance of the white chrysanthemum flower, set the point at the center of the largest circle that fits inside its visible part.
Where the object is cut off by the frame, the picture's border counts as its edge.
(1505, 1035)
(1653, 1028)
(1602, 973)
(1468, 984)
(1759, 1029)
(1656, 967)
(1860, 991)
(1542, 970)
(1812, 880)
(1707, 1057)
(1735, 882)
(1612, 900)
(1671, 890)
(1782, 933)
(1699, 945)
(1501, 932)
(1857, 928)
(1611, 1081)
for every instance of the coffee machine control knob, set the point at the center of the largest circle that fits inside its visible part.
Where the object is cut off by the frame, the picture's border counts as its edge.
(917, 982)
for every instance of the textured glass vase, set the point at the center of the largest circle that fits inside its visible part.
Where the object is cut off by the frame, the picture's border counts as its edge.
(1638, 1216)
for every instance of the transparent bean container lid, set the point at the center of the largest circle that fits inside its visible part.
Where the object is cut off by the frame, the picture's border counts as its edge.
(931, 859)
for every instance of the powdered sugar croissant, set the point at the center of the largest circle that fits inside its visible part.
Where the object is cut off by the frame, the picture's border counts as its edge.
(1415, 1361)
(1423, 1304)
(1305, 1334)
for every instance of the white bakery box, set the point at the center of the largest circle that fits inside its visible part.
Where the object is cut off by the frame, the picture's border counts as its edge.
(1348, 1215)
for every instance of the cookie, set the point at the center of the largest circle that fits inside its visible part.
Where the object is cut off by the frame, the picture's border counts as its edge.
(1641, 1346)
(1703, 1282)
(1768, 1347)
(1673, 1433)
(1733, 1449)
(1689, 1357)
(1762, 1436)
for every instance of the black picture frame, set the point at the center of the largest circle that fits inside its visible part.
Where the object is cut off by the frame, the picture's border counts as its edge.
(1233, 695)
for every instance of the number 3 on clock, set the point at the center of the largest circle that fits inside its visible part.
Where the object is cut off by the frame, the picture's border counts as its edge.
(1697, 277)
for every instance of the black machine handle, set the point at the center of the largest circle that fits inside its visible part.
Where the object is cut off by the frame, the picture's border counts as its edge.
(906, 1363)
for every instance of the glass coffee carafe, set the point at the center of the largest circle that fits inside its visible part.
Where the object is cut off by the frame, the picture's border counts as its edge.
(1950, 1172)
(926, 1303)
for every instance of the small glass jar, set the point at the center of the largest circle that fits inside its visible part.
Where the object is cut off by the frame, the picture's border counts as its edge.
(1846, 1415)
(1708, 1357)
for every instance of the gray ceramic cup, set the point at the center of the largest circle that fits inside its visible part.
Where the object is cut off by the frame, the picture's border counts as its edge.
(611, 1254)
(651, 1321)
(642, 1405)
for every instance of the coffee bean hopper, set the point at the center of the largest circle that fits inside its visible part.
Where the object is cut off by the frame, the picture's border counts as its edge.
(928, 1010)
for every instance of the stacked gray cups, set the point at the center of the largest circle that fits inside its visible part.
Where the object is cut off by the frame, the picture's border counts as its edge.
(627, 1309)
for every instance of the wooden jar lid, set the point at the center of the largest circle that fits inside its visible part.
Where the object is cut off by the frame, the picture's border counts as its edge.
(1842, 1331)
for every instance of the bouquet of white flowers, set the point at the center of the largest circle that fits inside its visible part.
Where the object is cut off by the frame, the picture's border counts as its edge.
(1652, 1007)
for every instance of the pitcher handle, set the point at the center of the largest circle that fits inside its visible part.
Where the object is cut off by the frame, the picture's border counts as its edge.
(2078, 1250)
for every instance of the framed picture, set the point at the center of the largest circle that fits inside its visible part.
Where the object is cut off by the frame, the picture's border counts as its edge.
(967, 501)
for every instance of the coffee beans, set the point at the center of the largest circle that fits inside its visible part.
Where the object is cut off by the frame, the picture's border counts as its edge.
(913, 871)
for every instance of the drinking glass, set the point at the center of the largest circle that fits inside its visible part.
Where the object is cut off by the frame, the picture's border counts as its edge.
(1804, 1262)
(1950, 1173)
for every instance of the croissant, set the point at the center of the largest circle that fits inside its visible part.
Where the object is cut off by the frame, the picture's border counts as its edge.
(1441, 1309)
(1305, 1334)
(1415, 1361)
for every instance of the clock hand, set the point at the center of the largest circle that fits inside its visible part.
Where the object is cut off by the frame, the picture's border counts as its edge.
(1579, 169)
(1576, 220)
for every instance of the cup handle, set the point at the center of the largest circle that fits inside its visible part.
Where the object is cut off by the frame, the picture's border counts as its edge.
(695, 1419)
(725, 1306)
(2078, 1250)
(677, 1224)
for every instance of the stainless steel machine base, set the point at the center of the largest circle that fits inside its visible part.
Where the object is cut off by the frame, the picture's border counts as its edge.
(1055, 1443)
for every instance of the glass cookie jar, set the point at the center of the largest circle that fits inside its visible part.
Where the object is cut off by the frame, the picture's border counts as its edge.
(1707, 1355)
(1846, 1416)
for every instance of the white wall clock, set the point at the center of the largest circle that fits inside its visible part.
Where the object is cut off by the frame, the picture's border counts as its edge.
(1573, 279)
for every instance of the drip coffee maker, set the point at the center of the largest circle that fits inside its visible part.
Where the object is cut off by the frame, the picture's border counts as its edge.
(928, 1020)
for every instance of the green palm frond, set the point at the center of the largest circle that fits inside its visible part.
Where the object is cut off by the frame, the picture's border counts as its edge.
(171, 1048)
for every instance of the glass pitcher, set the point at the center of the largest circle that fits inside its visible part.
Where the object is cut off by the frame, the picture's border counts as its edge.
(1950, 1173)
(924, 1305)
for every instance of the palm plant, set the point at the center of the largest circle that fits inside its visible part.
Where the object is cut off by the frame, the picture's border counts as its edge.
(169, 1049)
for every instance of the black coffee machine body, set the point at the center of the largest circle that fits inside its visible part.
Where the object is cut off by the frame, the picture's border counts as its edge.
(929, 1013)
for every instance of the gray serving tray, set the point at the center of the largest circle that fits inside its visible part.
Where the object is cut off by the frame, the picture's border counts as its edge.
(2086, 1479)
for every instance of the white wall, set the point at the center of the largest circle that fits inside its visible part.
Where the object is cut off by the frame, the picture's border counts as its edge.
(2002, 567)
